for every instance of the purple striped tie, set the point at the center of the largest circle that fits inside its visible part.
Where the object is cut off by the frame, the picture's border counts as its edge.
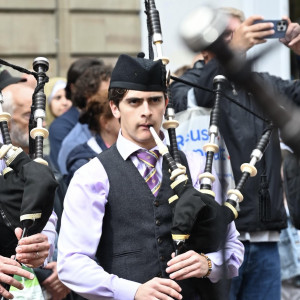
(150, 159)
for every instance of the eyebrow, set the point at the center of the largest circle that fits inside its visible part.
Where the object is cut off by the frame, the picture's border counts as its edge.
(141, 98)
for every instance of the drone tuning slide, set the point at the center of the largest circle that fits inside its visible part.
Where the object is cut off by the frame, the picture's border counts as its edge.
(37, 132)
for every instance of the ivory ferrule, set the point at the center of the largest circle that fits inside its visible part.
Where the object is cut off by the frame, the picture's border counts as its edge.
(7, 170)
(39, 113)
(170, 124)
(211, 147)
(4, 116)
(4, 151)
(39, 131)
(213, 129)
(170, 112)
(207, 175)
(257, 154)
(41, 161)
(178, 180)
(233, 209)
(249, 168)
(235, 195)
(208, 192)
(206, 180)
(180, 237)
(12, 157)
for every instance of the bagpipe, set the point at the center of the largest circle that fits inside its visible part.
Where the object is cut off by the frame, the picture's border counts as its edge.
(199, 222)
(27, 186)
(189, 206)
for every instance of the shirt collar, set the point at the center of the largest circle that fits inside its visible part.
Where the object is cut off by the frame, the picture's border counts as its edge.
(126, 148)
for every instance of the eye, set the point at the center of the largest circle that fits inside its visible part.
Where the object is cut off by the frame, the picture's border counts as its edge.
(156, 99)
(134, 101)
(57, 98)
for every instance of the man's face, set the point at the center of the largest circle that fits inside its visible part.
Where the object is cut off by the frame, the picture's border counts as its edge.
(233, 24)
(22, 99)
(137, 111)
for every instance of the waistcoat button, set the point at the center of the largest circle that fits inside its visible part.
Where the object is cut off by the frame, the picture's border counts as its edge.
(156, 203)
(157, 222)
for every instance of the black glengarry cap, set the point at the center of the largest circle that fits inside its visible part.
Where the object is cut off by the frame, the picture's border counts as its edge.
(138, 73)
(6, 79)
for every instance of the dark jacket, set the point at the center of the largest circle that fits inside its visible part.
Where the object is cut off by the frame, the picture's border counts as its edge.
(80, 155)
(180, 90)
(59, 129)
(8, 240)
(241, 131)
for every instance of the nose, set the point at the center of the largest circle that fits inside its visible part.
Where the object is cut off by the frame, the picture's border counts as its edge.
(64, 101)
(146, 109)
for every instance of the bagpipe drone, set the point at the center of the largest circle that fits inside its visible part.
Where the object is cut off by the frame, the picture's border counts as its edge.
(27, 186)
(199, 222)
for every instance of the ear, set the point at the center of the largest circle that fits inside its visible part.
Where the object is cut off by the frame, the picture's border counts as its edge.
(115, 110)
(166, 103)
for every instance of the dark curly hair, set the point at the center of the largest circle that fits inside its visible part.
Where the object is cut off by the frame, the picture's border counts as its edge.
(97, 106)
(116, 95)
(76, 69)
(88, 84)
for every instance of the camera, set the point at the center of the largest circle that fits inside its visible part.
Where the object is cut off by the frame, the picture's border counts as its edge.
(280, 27)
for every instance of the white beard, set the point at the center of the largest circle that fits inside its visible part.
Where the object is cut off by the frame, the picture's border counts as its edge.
(18, 135)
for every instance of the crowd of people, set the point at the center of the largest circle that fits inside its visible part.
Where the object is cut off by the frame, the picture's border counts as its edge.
(111, 212)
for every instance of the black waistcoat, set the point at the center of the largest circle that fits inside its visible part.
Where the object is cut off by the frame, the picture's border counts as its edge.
(136, 241)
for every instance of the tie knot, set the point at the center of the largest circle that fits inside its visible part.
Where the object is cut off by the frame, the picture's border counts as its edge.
(148, 157)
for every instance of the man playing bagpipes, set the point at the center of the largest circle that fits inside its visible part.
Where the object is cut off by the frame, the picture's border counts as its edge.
(35, 249)
(115, 239)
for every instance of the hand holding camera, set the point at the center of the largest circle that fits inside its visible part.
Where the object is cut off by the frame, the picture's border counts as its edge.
(279, 26)
(249, 34)
(255, 30)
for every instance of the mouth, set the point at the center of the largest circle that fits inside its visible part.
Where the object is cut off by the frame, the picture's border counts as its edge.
(145, 126)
